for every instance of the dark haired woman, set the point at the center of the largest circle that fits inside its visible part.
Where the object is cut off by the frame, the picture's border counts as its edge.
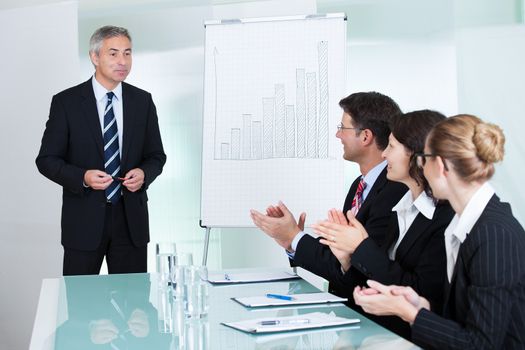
(485, 301)
(414, 253)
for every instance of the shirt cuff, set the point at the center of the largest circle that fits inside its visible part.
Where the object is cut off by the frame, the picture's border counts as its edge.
(294, 244)
(296, 240)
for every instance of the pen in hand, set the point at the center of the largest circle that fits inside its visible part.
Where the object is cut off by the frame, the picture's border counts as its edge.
(278, 296)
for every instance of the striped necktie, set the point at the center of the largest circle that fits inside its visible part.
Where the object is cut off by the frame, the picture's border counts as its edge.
(111, 150)
(358, 197)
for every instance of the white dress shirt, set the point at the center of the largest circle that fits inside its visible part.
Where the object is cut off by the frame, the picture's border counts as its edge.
(407, 209)
(370, 178)
(102, 100)
(461, 225)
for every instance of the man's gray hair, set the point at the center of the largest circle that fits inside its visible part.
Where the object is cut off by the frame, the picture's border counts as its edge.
(103, 33)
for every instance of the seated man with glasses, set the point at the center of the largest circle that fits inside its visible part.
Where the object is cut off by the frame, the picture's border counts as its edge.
(414, 252)
(364, 132)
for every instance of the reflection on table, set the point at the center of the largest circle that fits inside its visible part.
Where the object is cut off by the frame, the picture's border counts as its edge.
(133, 312)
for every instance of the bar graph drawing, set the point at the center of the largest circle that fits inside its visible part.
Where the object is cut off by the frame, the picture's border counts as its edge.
(285, 129)
(271, 93)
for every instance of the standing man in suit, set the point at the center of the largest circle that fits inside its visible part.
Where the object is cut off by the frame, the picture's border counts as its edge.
(364, 132)
(102, 144)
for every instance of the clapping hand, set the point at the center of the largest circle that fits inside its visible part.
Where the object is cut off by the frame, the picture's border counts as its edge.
(390, 300)
(340, 235)
(279, 223)
(276, 212)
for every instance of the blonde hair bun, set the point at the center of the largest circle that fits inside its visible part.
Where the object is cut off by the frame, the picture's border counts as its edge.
(489, 142)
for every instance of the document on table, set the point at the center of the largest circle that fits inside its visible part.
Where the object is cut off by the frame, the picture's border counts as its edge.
(293, 299)
(291, 323)
(248, 277)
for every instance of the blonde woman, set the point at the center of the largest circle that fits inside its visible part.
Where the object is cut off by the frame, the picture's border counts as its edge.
(485, 295)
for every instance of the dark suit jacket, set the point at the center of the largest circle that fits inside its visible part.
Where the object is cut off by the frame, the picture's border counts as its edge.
(374, 215)
(485, 304)
(73, 143)
(420, 262)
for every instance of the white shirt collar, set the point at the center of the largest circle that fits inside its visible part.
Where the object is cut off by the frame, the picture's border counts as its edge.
(100, 91)
(472, 211)
(423, 203)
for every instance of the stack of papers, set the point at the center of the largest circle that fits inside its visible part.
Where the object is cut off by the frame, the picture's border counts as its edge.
(248, 277)
(291, 323)
(296, 299)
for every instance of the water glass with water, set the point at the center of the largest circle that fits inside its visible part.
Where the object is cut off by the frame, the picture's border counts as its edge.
(196, 289)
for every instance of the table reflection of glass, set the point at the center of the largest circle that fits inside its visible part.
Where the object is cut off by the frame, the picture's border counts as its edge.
(130, 312)
(109, 312)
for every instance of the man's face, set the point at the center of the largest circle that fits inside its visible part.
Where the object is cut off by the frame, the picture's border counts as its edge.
(349, 138)
(113, 62)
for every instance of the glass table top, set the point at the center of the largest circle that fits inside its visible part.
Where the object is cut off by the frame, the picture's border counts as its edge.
(131, 311)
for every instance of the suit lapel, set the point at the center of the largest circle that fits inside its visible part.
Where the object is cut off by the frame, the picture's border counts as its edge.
(494, 201)
(450, 285)
(89, 108)
(419, 225)
(376, 188)
(393, 232)
(350, 196)
(128, 106)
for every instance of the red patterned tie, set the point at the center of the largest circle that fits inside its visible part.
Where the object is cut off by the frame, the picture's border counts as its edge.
(358, 197)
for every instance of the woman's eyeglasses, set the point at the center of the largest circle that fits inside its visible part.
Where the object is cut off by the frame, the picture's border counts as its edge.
(421, 159)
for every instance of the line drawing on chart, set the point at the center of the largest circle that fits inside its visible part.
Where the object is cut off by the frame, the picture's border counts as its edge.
(215, 52)
(284, 130)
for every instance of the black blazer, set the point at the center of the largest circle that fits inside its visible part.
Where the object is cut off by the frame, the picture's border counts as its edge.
(420, 262)
(73, 143)
(485, 304)
(374, 214)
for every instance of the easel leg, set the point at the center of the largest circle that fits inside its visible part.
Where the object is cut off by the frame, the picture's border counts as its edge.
(206, 245)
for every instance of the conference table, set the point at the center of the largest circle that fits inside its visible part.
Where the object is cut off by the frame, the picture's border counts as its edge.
(133, 311)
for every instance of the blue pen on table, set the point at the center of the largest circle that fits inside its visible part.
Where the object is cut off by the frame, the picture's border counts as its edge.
(278, 296)
(278, 322)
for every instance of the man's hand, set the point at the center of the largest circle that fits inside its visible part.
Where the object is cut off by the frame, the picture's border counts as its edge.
(280, 225)
(102, 331)
(138, 323)
(134, 180)
(276, 212)
(97, 179)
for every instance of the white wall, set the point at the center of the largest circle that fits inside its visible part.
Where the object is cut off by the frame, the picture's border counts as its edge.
(492, 86)
(39, 58)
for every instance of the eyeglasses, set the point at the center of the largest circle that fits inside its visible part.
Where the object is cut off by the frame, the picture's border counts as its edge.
(421, 158)
(342, 127)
